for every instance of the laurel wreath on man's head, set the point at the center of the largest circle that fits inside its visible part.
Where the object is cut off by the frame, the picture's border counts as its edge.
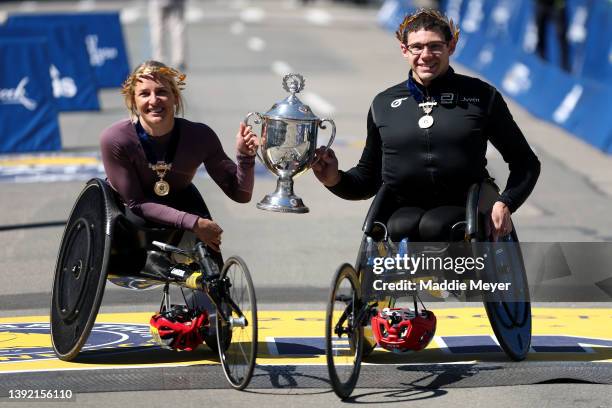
(401, 33)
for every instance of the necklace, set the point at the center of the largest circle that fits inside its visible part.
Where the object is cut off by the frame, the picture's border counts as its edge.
(161, 187)
(160, 167)
(425, 102)
(427, 120)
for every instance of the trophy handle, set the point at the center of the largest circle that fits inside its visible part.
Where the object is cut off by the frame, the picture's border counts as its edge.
(331, 138)
(258, 121)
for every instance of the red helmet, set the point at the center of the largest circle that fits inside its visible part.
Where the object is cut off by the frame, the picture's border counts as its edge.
(400, 330)
(179, 328)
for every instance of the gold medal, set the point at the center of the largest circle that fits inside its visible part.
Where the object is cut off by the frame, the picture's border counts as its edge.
(161, 188)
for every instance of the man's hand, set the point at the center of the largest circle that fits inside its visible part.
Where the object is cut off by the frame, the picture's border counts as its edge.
(325, 167)
(209, 233)
(246, 140)
(500, 220)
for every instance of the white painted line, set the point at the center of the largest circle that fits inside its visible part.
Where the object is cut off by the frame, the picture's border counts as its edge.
(130, 14)
(281, 68)
(441, 344)
(3, 16)
(194, 14)
(252, 15)
(318, 17)
(317, 103)
(271, 343)
(256, 44)
(237, 28)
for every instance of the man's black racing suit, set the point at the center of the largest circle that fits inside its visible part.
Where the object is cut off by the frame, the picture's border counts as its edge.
(428, 171)
(435, 166)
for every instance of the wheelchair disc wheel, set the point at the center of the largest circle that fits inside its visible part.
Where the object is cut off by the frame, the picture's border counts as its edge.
(237, 338)
(510, 314)
(80, 273)
(343, 334)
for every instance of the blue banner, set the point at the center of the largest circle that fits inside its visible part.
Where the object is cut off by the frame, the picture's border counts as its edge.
(103, 41)
(597, 64)
(72, 78)
(28, 116)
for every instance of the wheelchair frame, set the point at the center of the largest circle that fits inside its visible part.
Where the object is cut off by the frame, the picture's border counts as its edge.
(98, 239)
(510, 321)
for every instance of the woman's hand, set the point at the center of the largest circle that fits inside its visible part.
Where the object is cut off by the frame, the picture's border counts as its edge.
(325, 167)
(209, 233)
(500, 220)
(246, 140)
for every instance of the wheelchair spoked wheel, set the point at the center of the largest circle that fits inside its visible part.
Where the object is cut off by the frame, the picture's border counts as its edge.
(510, 313)
(237, 338)
(344, 331)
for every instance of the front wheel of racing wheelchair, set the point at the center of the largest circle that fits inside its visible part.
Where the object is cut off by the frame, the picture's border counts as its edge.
(348, 336)
(99, 243)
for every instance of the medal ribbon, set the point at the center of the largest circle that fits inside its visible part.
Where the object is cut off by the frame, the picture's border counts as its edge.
(147, 144)
(414, 90)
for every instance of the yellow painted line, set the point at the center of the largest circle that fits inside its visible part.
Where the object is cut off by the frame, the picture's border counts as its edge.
(593, 323)
(48, 161)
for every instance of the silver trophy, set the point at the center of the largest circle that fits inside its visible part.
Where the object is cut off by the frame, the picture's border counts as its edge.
(288, 143)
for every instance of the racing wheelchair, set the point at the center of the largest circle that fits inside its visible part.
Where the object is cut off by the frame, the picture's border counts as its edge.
(100, 243)
(358, 319)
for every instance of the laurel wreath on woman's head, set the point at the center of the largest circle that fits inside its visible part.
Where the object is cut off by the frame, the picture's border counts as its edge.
(174, 76)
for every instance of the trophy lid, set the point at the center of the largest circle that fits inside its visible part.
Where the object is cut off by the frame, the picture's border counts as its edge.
(291, 107)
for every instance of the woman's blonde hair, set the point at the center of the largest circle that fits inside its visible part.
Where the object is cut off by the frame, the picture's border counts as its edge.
(158, 70)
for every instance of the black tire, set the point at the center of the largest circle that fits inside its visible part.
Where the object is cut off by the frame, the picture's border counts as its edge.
(343, 305)
(511, 318)
(237, 344)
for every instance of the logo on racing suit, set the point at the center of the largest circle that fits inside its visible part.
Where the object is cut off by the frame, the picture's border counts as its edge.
(470, 99)
(447, 98)
(397, 102)
(18, 96)
(98, 56)
(32, 341)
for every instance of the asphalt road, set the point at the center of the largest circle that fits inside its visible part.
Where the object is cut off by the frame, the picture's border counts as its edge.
(238, 52)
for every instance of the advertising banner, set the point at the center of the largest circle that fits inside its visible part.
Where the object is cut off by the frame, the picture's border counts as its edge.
(72, 78)
(103, 41)
(28, 114)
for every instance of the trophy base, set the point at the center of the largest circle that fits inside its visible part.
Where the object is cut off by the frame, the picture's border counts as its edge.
(283, 199)
(286, 204)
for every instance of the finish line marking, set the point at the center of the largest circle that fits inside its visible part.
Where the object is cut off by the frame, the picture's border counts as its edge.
(296, 338)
